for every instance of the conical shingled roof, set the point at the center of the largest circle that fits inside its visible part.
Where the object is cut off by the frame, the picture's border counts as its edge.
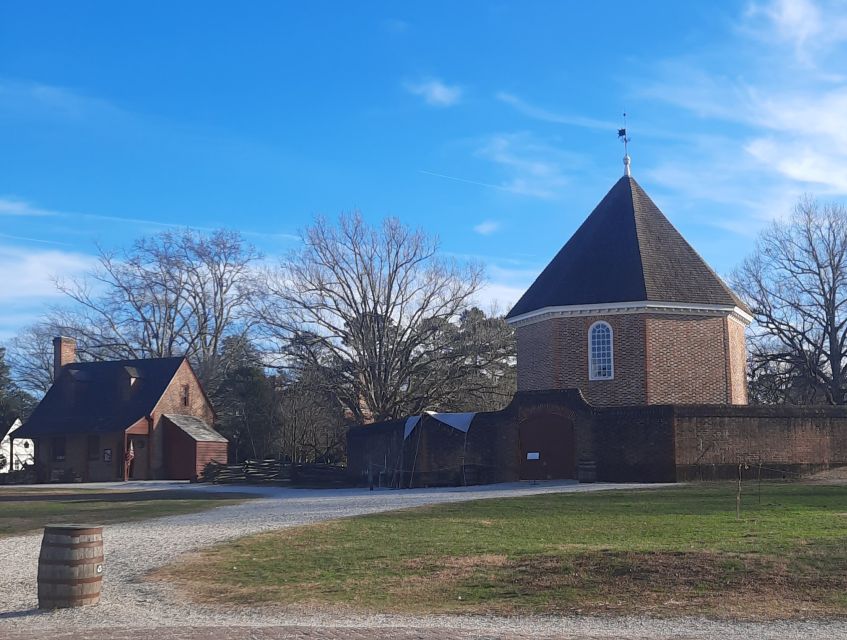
(626, 251)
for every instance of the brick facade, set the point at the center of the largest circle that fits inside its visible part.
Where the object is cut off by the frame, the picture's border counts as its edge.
(711, 441)
(737, 361)
(172, 401)
(686, 359)
(657, 443)
(658, 359)
(147, 435)
(77, 461)
(536, 362)
(64, 352)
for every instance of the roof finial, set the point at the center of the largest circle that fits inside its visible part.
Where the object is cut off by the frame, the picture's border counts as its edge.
(623, 137)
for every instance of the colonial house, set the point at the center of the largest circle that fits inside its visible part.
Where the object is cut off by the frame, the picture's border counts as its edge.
(631, 363)
(122, 419)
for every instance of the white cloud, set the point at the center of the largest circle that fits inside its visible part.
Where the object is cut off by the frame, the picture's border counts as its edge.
(795, 132)
(770, 104)
(10, 236)
(533, 168)
(505, 286)
(34, 99)
(810, 29)
(495, 295)
(487, 227)
(540, 113)
(16, 207)
(435, 92)
(29, 274)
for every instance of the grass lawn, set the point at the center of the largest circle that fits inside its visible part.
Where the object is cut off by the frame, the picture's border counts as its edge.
(23, 511)
(659, 552)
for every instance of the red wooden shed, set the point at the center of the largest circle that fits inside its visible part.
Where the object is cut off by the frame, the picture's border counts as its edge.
(190, 444)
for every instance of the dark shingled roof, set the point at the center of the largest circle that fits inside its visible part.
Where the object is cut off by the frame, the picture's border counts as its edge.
(626, 251)
(195, 428)
(96, 397)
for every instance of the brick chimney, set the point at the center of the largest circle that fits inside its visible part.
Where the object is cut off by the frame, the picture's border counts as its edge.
(64, 352)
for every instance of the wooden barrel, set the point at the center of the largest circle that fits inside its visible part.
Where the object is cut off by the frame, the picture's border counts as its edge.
(70, 567)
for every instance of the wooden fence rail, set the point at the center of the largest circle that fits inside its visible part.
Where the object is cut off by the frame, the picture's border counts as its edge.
(275, 472)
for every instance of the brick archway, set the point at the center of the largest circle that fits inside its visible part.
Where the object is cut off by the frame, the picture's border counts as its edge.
(547, 447)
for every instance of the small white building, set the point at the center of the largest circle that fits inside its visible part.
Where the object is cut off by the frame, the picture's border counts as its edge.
(21, 455)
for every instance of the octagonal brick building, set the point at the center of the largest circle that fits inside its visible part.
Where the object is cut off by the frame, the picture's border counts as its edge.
(628, 313)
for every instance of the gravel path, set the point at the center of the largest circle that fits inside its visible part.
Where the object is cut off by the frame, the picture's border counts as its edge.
(134, 548)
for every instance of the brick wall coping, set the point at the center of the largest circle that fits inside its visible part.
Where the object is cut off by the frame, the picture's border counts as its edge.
(761, 411)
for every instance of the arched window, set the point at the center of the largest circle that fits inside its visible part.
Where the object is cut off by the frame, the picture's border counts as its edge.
(601, 362)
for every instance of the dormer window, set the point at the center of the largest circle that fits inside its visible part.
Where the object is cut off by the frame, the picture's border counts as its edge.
(132, 374)
(601, 364)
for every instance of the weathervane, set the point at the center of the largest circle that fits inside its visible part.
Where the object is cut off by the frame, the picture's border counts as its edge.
(623, 138)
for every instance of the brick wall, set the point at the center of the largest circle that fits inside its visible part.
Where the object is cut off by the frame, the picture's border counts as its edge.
(101, 471)
(656, 443)
(658, 359)
(553, 354)
(76, 457)
(738, 361)
(64, 352)
(687, 360)
(711, 441)
(535, 356)
(634, 444)
(172, 402)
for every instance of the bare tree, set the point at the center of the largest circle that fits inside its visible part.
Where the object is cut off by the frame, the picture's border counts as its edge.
(169, 294)
(369, 307)
(796, 282)
(490, 372)
(30, 355)
(312, 428)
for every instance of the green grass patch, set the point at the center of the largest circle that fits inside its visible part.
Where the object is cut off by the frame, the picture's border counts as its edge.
(671, 551)
(28, 511)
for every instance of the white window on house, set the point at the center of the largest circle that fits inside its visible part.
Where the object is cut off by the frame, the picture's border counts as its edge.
(601, 363)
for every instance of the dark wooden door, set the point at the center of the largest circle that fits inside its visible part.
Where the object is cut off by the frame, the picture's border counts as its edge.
(548, 449)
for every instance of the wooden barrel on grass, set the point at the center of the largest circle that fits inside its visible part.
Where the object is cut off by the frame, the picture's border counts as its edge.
(70, 566)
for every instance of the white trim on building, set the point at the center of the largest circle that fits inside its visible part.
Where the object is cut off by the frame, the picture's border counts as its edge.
(617, 308)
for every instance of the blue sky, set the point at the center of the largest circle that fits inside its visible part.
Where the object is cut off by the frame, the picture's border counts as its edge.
(491, 124)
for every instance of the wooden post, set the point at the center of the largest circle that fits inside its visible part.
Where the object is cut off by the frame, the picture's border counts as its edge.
(123, 458)
(738, 495)
(150, 445)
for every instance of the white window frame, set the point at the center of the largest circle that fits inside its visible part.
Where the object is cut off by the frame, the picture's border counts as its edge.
(591, 375)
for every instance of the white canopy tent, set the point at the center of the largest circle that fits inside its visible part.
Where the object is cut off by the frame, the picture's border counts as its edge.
(459, 421)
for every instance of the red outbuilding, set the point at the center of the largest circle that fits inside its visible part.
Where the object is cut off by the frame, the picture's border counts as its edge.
(122, 419)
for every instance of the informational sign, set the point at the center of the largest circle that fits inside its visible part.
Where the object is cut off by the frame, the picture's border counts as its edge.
(533, 455)
(107, 455)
